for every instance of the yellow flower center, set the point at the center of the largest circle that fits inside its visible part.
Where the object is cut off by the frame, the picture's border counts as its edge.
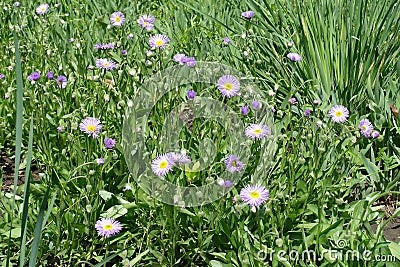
(163, 164)
(228, 86)
(91, 128)
(108, 227)
(159, 43)
(117, 19)
(105, 64)
(43, 9)
(257, 131)
(338, 113)
(364, 127)
(234, 163)
(254, 194)
(146, 23)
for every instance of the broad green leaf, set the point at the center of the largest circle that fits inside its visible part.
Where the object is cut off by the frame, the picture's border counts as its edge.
(115, 212)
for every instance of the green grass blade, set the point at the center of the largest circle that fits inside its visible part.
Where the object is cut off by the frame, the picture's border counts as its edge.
(26, 196)
(47, 215)
(206, 15)
(38, 231)
(109, 258)
(18, 135)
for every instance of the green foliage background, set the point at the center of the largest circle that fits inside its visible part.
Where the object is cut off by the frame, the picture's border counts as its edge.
(326, 184)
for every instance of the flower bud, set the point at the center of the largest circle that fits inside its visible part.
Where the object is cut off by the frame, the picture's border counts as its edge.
(279, 242)
(88, 208)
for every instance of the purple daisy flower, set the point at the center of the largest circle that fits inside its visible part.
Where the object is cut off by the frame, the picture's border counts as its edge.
(227, 183)
(226, 40)
(189, 61)
(158, 41)
(100, 161)
(42, 9)
(294, 57)
(307, 112)
(339, 113)
(123, 52)
(248, 14)
(161, 165)
(60, 128)
(254, 195)
(104, 63)
(258, 131)
(91, 126)
(366, 127)
(104, 46)
(50, 75)
(292, 100)
(228, 85)
(147, 22)
(34, 76)
(2, 76)
(17, 4)
(178, 158)
(255, 104)
(109, 142)
(117, 19)
(108, 227)
(179, 58)
(62, 81)
(244, 110)
(375, 134)
(191, 94)
(233, 164)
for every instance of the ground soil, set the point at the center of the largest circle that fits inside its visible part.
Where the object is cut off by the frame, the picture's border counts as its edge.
(7, 169)
(392, 229)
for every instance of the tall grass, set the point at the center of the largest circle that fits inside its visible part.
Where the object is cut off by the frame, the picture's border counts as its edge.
(348, 46)
(25, 205)
(18, 142)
